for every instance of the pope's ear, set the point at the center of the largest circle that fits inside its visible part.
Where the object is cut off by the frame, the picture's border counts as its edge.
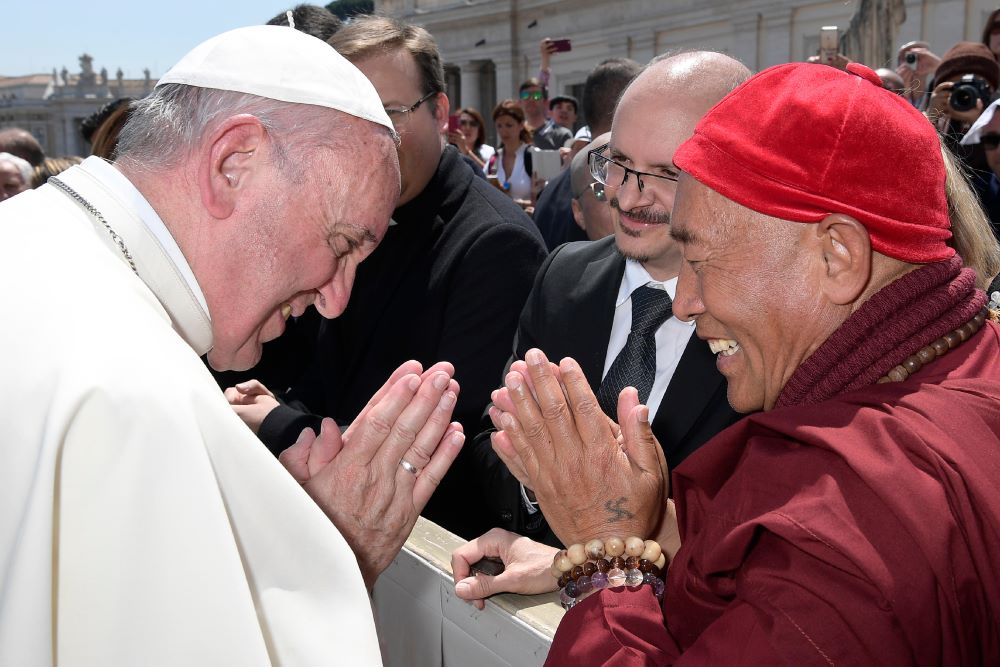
(846, 258)
(230, 156)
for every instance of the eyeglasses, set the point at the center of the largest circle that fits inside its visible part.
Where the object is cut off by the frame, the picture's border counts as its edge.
(400, 115)
(536, 95)
(598, 190)
(614, 174)
(990, 141)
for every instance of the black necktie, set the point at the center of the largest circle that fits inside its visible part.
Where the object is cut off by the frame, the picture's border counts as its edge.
(635, 365)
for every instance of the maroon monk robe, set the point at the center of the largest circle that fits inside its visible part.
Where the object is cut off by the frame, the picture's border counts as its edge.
(855, 523)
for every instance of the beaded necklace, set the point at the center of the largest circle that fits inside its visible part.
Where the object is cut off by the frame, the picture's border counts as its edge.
(929, 353)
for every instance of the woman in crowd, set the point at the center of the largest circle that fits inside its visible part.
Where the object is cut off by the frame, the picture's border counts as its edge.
(991, 32)
(514, 139)
(470, 139)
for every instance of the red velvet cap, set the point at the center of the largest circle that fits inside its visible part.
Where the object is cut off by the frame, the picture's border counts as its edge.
(801, 141)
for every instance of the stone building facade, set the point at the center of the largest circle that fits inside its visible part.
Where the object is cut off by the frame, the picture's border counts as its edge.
(52, 106)
(490, 46)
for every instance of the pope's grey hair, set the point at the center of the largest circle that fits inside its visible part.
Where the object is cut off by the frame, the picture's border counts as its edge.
(165, 126)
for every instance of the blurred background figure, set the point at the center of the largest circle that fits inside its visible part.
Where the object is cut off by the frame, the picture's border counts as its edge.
(15, 175)
(52, 166)
(604, 85)
(915, 64)
(563, 111)
(590, 203)
(513, 146)
(985, 134)
(23, 144)
(891, 81)
(470, 138)
(111, 119)
(534, 101)
(963, 86)
(991, 32)
(313, 20)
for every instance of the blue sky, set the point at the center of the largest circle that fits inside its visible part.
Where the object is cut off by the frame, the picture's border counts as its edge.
(39, 35)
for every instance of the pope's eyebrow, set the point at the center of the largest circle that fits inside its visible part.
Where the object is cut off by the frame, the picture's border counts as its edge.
(366, 234)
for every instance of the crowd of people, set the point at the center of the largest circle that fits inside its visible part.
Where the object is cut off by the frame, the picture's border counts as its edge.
(728, 381)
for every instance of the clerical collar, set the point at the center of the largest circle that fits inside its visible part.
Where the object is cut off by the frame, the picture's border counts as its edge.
(636, 276)
(130, 195)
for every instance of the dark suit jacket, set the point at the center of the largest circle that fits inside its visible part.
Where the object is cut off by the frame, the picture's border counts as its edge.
(569, 314)
(554, 213)
(446, 284)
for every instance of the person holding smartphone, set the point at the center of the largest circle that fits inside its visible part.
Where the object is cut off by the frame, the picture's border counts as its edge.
(469, 136)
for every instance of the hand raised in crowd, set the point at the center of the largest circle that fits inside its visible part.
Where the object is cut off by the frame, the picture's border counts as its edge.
(914, 77)
(940, 106)
(359, 480)
(590, 478)
(839, 61)
(461, 142)
(252, 401)
(547, 48)
(527, 566)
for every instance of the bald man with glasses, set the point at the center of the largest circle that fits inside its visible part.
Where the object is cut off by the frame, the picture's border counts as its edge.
(607, 303)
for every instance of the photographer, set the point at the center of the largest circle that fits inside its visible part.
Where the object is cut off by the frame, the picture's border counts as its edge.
(963, 84)
(915, 64)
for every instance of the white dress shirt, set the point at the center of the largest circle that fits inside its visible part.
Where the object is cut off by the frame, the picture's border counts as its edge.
(671, 338)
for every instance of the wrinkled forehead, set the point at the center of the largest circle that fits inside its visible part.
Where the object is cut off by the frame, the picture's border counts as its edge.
(701, 216)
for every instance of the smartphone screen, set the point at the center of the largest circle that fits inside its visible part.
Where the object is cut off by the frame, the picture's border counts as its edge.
(453, 125)
(562, 45)
(829, 42)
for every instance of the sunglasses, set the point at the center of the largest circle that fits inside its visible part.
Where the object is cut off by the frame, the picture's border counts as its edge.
(532, 95)
(995, 28)
(465, 122)
(990, 141)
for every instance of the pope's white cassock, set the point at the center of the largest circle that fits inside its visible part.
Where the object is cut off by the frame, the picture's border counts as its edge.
(141, 523)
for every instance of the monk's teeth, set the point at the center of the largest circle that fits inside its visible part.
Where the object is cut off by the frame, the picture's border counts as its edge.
(286, 310)
(723, 346)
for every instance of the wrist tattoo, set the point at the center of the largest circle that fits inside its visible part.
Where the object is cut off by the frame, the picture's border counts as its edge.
(616, 510)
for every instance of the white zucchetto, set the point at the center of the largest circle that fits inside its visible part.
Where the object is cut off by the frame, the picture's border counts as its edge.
(279, 63)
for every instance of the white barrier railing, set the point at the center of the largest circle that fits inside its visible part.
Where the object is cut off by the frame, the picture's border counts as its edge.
(423, 624)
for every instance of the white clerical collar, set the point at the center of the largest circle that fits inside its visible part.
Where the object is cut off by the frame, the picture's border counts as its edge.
(636, 276)
(123, 187)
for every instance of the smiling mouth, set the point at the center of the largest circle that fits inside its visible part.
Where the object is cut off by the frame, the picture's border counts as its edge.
(723, 346)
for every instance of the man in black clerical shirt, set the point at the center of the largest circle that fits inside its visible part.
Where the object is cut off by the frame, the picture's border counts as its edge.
(446, 283)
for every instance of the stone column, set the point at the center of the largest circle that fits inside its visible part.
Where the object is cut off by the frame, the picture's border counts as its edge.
(69, 146)
(470, 85)
(506, 83)
(643, 46)
(746, 42)
(775, 38)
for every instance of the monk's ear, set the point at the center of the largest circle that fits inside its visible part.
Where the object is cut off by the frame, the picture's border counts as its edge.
(847, 258)
(230, 157)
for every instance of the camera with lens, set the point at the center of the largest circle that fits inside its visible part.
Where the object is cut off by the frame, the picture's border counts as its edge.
(967, 90)
(911, 59)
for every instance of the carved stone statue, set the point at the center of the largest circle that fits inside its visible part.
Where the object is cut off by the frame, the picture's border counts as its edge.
(103, 76)
(65, 76)
(87, 76)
